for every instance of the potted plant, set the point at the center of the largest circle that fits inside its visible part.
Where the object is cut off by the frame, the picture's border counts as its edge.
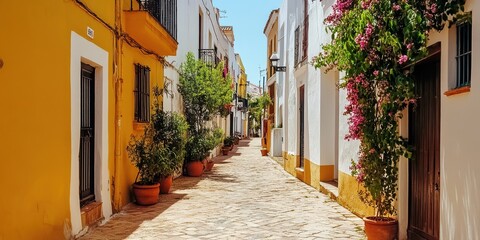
(236, 139)
(228, 143)
(198, 150)
(169, 130)
(205, 93)
(377, 44)
(214, 138)
(147, 158)
(225, 150)
(264, 151)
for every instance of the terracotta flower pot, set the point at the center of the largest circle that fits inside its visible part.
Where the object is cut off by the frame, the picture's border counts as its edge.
(165, 184)
(225, 151)
(195, 169)
(209, 166)
(381, 228)
(146, 194)
(264, 152)
(231, 147)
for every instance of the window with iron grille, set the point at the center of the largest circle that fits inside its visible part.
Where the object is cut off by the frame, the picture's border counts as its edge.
(301, 42)
(142, 93)
(464, 54)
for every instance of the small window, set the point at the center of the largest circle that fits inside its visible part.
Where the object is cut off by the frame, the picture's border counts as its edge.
(464, 54)
(142, 93)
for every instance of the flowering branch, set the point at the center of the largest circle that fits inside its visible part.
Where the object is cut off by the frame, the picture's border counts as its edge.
(374, 42)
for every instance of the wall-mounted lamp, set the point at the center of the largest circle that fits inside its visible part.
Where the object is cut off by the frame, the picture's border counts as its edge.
(274, 62)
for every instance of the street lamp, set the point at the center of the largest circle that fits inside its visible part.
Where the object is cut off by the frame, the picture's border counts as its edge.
(274, 62)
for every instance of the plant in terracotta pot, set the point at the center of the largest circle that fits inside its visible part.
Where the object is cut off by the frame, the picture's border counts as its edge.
(377, 44)
(170, 131)
(197, 150)
(205, 93)
(148, 158)
(225, 150)
(228, 144)
(215, 138)
(264, 151)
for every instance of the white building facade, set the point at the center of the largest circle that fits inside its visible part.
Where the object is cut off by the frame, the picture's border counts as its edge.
(307, 97)
(200, 32)
(442, 183)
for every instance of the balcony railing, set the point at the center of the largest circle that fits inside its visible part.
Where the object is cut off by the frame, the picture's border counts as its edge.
(301, 42)
(209, 56)
(165, 11)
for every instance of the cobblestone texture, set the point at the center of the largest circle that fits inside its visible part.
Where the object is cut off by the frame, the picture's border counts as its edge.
(246, 196)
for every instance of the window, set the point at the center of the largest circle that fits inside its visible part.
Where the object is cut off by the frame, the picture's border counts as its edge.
(464, 54)
(200, 30)
(142, 93)
(301, 42)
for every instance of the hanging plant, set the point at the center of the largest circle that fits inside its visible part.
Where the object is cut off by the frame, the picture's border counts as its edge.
(376, 44)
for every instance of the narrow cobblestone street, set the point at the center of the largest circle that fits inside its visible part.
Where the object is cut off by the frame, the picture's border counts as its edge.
(246, 196)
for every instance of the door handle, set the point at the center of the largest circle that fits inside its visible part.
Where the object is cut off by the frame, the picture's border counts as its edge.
(436, 187)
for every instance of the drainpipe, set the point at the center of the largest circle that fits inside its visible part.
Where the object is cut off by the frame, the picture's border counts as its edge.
(118, 81)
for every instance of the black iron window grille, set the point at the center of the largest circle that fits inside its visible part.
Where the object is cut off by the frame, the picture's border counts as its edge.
(301, 42)
(464, 54)
(165, 11)
(142, 93)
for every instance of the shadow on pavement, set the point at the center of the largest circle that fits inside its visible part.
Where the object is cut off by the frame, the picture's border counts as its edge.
(126, 222)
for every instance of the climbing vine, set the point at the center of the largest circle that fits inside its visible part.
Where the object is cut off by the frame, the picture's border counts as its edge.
(376, 44)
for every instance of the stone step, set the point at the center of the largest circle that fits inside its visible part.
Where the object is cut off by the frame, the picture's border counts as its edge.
(330, 188)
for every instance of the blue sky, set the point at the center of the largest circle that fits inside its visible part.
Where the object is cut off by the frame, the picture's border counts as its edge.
(248, 18)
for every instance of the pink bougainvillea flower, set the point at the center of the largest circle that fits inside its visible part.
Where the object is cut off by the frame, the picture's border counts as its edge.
(402, 59)
(433, 8)
(339, 9)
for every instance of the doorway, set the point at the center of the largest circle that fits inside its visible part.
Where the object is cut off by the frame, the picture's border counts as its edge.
(302, 126)
(87, 135)
(424, 169)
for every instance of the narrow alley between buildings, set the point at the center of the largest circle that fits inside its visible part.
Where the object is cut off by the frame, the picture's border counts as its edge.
(245, 196)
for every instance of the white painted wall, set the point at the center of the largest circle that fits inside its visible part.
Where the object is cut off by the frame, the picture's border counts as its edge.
(187, 38)
(347, 150)
(289, 114)
(326, 125)
(321, 102)
(459, 131)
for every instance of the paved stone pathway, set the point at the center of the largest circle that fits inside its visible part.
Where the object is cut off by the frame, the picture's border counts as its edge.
(246, 196)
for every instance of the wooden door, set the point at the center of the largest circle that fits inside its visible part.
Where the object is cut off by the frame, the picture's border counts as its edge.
(302, 126)
(87, 133)
(424, 169)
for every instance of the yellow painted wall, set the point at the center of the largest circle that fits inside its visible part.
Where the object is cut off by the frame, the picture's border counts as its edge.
(242, 81)
(126, 171)
(35, 112)
(269, 135)
(312, 173)
(290, 163)
(348, 188)
(242, 89)
(271, 47)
